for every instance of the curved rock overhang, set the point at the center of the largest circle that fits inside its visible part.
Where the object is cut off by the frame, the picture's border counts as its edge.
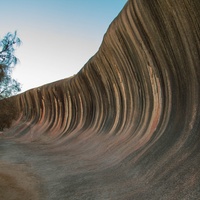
(128, 122)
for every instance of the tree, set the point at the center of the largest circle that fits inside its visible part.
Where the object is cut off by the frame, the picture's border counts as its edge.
(8, 85)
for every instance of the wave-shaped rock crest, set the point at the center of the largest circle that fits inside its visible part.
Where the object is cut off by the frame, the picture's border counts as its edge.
(126, 126)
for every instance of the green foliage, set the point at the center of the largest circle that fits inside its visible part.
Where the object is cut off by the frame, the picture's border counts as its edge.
(7, 48)
(8, 85)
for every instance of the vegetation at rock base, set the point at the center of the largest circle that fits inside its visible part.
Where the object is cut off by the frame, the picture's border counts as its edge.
(8, 112)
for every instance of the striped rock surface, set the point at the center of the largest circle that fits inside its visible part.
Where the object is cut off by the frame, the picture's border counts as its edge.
(127, 125)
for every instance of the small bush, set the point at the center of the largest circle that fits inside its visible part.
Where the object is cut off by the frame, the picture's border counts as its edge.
(8, 112)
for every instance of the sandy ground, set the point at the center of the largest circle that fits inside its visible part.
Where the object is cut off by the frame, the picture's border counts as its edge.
(17, 183)
(33, 171)
(17, 180)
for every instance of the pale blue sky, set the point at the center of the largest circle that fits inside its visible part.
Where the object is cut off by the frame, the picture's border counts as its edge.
(59, 36)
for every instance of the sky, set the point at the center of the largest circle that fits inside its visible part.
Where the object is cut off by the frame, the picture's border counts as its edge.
(58, 36)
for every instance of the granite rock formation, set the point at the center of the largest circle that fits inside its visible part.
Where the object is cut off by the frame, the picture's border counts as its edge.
(126, 126)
